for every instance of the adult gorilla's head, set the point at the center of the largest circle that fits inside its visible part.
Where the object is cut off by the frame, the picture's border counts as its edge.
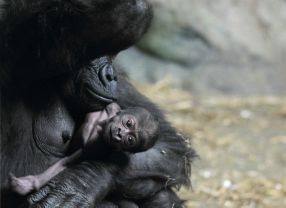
(92, 87)
(40, 39)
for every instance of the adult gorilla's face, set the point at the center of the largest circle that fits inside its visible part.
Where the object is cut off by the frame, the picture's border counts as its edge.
(93, 86)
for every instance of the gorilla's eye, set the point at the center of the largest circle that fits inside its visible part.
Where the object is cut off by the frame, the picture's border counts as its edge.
(129, 123)
(131, 140)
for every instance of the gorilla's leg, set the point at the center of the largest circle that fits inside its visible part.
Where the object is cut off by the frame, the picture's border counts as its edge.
(163, 199)
(127, 204)
(119, 204)
(106, 204)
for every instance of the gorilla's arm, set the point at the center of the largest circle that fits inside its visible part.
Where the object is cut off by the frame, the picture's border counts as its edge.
(56, 36)
(164, 165)
(79, 186)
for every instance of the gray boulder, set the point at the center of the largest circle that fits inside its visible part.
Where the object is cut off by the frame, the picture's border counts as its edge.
(214, 47)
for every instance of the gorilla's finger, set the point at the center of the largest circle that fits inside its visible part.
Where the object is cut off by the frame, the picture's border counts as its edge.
(72, 201)
(51, 200)
(39, 195)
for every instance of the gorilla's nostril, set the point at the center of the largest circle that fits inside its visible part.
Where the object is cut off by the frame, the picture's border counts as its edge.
(119, 132)
(109, 77)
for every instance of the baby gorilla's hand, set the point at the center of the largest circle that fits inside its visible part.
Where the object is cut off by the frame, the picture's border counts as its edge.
(23, 185)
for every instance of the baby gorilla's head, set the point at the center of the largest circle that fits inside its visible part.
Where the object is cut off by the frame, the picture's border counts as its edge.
(133, 130)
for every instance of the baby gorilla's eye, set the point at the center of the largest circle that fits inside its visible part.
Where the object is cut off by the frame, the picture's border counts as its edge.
(129, 123)
(131, 140)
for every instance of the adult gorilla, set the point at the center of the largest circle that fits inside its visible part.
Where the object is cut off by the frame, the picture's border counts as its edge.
(44, 43)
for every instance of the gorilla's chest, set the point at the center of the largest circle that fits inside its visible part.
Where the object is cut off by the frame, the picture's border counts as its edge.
(48, 128)
(29, 137)
(53, 128)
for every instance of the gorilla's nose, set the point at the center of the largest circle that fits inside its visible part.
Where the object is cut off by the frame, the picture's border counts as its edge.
(108, 75)
(117, 136)
(119, 133)
(108, 79)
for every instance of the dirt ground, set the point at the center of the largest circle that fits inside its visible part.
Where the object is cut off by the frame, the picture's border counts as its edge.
(241, 142)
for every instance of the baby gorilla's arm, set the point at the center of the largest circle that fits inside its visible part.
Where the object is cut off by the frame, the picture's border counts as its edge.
(27, 184)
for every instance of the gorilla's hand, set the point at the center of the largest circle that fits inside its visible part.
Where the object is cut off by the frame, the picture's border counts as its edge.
(86, 183)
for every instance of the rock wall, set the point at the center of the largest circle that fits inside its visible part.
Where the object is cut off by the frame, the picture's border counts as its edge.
(214, 47)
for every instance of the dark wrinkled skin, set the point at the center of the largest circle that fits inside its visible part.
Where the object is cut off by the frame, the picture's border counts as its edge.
(42, 45)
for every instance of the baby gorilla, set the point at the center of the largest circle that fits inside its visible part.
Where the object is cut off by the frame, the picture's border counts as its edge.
(130, 130)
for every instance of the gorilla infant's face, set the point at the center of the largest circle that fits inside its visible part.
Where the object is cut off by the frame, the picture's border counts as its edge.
(132, 130)
(121, 132)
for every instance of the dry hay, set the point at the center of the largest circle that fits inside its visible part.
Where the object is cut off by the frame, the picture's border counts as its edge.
(241, 141)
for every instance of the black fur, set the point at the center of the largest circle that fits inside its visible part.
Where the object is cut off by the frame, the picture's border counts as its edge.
(42, 43)
(44, 38)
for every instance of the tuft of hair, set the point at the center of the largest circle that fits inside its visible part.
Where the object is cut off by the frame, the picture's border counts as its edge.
(147, 127)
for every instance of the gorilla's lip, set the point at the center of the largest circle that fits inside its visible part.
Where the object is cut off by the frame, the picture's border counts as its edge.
(112, 140)
(110, 135)
(93, 94)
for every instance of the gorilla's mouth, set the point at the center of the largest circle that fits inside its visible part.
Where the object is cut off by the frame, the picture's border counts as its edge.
(110, 135)
(113, 139)
(94, 95)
